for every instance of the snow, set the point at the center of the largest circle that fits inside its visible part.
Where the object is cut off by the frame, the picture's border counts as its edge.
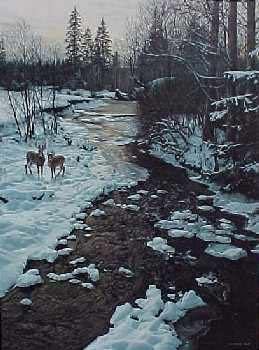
(75, 281)
(26, 302)
(30, 228)
(87, 285)
(80, 216)
(206, 280)
(109, 203)
(239, 75)
(29, 278)
(165, 224)
(126, 272)
(143, 192)
(239, 204)
(78, 261)
(145, 327)
(162, 191)
(93, 273)
(160, 244)
(154, 196)
(211, 237)
(252, 168)
(97, 213)
(62, 242)
(64, 252)
(206, 208)
(71, 238)
(180, 234)
(132, 207)
(225, 251)
(61, 277)
(91, 270)
(218, 115)
(204, 198)
(135, 197)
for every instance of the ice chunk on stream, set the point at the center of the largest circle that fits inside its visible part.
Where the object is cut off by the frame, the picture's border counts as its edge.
(211, 237)
(135, 197)
(61, 277)
(180, 234)
(29, 278)
(126, 272)
(227, 251)
(64, 252)
(145, 327)
(26, 302)
(97, 213)
(160, 244)
(77, 261)
(109, 203)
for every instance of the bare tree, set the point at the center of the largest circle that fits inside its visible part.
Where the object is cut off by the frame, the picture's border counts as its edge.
(27, 93)
(215, 35)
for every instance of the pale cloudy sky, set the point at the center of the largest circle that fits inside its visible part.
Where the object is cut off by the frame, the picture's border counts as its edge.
(49, 17)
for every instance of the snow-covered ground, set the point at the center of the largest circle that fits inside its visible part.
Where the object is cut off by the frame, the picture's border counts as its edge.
(30, 226)
(146, 326)
(233, 203)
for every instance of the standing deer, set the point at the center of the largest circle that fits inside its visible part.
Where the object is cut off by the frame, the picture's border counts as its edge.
(56, 162)
(36, 158)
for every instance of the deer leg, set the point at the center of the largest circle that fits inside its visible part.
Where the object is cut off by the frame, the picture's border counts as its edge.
(26, 169)
(64, 169)
(60, 169)
(38, 170)
(29, 166)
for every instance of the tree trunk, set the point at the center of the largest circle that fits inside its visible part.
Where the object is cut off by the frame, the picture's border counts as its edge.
(250, 38)
(214, 36)
(232, 34)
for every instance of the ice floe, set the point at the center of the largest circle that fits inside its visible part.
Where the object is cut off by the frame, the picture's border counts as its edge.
(160, 244)
(29, 278)
(180, 234)
(145, 327)
(98, 213)
(226, 251)
(26, 302)
(126, 272)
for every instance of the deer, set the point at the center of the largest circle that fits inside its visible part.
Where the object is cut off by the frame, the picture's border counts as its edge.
(56, 161)
(36, 158)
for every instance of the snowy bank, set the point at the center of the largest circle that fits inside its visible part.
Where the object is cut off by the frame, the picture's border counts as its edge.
(38, 210)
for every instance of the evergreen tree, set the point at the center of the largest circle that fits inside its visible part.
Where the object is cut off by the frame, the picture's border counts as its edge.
(103, 46)
(157, 43)
(87, 46)
(2, 52)
(74, 38)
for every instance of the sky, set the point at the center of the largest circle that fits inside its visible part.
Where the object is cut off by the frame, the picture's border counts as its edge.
(50, 17)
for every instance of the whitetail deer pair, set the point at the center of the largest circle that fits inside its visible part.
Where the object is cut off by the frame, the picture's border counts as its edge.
(38, 159)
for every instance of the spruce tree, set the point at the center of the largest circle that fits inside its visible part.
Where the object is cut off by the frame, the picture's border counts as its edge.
(157, 43)
(103, 46)
(2, 52)
(87, 46)
(74, 38)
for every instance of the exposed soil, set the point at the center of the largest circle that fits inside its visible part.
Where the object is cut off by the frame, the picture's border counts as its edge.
(65, 316)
